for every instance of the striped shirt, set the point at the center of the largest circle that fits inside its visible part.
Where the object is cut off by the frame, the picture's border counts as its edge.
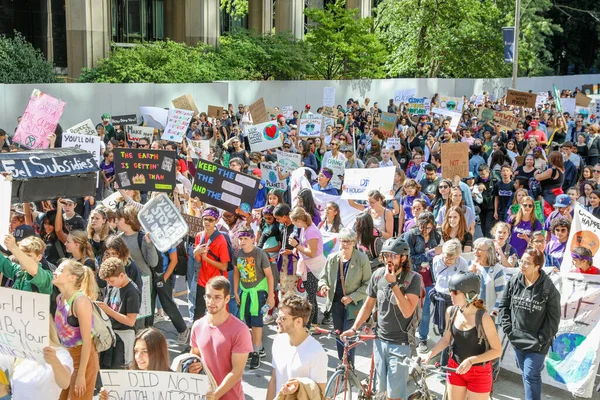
(493, 282)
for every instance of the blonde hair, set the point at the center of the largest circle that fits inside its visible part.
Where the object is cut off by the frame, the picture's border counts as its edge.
(81, 239)
(298, 214)
(33, 244)
(86, 278)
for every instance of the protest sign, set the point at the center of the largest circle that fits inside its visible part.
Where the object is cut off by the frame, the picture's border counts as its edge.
(455, 116)
(387, 124)
(520, 99)
(224, 188)
(145, 303)
(487, 114)
(129, 119)
(145, 169)
(130, 384)
(25, 325)
(585, 231)
(359, 181)
(288, 112)
(215, 111)
(582, 100)
(587, 89)
(271, 176)
(289, 162)
(329, 112)
(310, 127)
(39, 120)
(272, 113)
(155, 117)
(402, 95)
(162, 220)
(194, 224)
(337, 166)
(83, 128)
(200, 148)
(455, 160)
(416, 106)
(135, 133)
(177, 125)
(91, 144)
(112, 201)
(186, 102)
(479, 99)
(568, 105)
(264, 136)
(6, 190)
(258, 111)
(393, 143)
(506, 119)
(541, 99)
(451, 103)
(329, 96)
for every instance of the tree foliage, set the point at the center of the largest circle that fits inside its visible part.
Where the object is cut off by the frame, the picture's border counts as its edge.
(342, 45)
(20, 62)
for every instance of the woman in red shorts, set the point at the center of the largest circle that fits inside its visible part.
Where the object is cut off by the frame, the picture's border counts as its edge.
(472, 334)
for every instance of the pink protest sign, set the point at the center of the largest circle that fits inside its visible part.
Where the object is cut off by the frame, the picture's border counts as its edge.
(39, 120)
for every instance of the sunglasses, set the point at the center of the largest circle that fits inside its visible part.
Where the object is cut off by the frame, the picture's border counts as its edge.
(210, 220)
(444, 186)
(528, 205)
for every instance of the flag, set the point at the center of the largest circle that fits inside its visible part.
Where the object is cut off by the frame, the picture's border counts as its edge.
(557, 99)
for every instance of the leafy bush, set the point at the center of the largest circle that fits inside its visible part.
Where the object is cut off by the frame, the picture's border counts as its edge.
(20, 62)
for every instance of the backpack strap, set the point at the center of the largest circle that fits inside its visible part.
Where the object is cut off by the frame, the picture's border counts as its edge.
(450, 322)
(211, 239)
(480, 331)
(59, 250)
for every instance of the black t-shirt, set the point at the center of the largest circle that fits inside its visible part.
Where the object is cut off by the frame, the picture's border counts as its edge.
(125, 300)
(52, 252)
(73, 224)
(504, 193)
(519, 172)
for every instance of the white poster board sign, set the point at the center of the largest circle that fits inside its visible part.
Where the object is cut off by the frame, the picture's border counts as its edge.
(199, 148)
(162, 220)
(337, 166)
(359, 181)
(135, 133)
(310, 127)
(393, 143)
(288, 112)
(83, 128)
(155, 117)
(289, 162)
(130, 384)
(455, 116)
(568, 105)
(402, 95)
(91, 144)
(177, 125)
(264, 136)
(25, 324)
(112, 201)
(271, 176)
(145, 304)
(329, 96)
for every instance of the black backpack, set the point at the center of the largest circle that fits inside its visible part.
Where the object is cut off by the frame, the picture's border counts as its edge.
(182, 259)
(212, 237)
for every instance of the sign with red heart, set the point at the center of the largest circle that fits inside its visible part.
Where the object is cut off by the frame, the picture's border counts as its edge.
(264, 136)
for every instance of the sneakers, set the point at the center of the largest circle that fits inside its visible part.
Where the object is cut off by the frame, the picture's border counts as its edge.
(268, 319)
(422, 347)
(326, 319)
(262, 353)
(184, 336)
(158, 318)
(254, 360)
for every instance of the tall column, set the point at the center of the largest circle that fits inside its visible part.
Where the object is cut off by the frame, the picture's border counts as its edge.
(202, 22)
(260, 15)
(289, 17)
(174, 14)
(88, 33)
(364, 7)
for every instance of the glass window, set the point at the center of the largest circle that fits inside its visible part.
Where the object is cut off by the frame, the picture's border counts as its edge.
(137, 20)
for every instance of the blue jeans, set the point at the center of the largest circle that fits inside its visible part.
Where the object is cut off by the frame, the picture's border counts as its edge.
(234, 308)
(392, 375)
(192, 279)
(532, 365)
(424, 325)
(340, 323)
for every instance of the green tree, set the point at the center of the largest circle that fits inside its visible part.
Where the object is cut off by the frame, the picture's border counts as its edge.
(342, 45)
(20, 62)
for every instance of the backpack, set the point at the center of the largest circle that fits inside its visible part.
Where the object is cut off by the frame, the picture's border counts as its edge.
(158, 266)
(103, 334)
(478, 324)
(212, 237)
(182, 259)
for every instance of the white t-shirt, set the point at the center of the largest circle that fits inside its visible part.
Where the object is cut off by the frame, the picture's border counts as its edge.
(308, 360)
(33, 381)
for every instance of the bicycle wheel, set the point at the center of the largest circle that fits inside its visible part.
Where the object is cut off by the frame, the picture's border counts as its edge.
(340, 388)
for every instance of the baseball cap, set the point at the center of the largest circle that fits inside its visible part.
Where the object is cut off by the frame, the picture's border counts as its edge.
(105, 117)
(23, 231)
(562, 201)
(257, 171)
(533, 123)
(307, 106)
(67, 199)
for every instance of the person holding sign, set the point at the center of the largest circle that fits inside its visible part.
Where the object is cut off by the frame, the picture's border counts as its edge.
(28, 273)
(324, 182)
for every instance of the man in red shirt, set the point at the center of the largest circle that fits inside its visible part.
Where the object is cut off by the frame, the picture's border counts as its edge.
(211, 252)
(535, 132)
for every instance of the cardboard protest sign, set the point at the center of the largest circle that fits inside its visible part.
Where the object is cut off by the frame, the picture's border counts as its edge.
(135, 133)
(387, 124)
(83, 128)
(194, 224)
(258, 111)
(310, 127)
(130, 384)
(6, 190)
(451, 103)
(329, 112)
(359, 181)
(288, 112)
(393, 143)
(506, 120)
(25, 326)
(271, 176)
(162, 220)
(145, 169)
(224, 188)
(455, 160)
(155, 117)
(337, 166)
(328, 96)
(264, 136)
(112, 201)
(568, 105)
(130, 119)
(186, 102)
(39, 120)
(145, 303)
(582, 100)
(289, 162)
(48, 174)
(403, 95)
(416, 106)
(215, 111)
(177, 125)
(585, 231)
(520, 99)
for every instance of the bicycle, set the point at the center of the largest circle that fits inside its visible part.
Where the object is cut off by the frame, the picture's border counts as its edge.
(344, 384)
(419, 372)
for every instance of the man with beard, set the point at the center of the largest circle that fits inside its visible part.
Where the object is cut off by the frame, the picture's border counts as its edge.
(296, 354)
(396, 289)
(216, 335)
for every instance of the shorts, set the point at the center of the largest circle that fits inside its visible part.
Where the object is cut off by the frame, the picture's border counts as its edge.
(251, 321)
(477, 380)
(392, 375)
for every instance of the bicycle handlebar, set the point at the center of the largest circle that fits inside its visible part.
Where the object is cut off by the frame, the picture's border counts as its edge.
(336, 333)
(418, 363)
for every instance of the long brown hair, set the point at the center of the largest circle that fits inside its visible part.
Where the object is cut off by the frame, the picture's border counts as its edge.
(518, 217)
(462, 224)
(103, 234)
(156, 345)
(85, 248)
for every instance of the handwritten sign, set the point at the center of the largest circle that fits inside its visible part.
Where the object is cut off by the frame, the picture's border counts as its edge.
(145, 169)
(53, 162)
(506, 119)
(289, 162)
(130, 119)
(337, 166)
(359, 181)
(258, 111)
(402, 95)
(25, 324)
(215, 111)
(387, 124)
(310, 127)
(455, 160)
(264, 136)
(91, 144)
(329, 112)
(224, 188)
(568, 105)
(83, 128)
(541, 99)
(328, 96)
(177, 125)
(416, 106)
(451, 103)
(393, 143)
(186, 102)
(162, 220)
(135, 133)
(145, 303)
(194, 224)
(288, 112)
(200, 148)
(520, 99)
(271, 177)
(112, 201)
(39, 120)
(129, 384)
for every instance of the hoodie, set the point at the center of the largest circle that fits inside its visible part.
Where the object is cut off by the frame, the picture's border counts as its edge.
(530, 315)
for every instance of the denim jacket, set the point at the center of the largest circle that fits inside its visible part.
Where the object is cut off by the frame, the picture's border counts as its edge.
(420, 251)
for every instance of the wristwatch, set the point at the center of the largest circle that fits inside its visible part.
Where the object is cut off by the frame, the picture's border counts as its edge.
(391, 285)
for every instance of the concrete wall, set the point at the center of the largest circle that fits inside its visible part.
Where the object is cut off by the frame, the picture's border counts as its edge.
(87, 100)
